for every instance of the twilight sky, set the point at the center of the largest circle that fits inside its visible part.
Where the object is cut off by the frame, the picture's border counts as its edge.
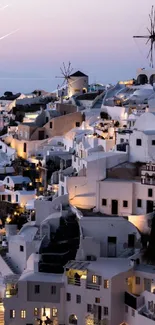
(95, 35)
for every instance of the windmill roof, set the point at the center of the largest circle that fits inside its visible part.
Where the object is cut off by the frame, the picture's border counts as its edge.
(78, 74)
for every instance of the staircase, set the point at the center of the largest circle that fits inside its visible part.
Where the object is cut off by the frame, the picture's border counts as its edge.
(97, 103)
(11, 266)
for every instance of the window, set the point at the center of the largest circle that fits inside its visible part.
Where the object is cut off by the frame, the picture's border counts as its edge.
(23, 314)
(54, 312)
(37, 288)
(105, 311)
(139, 203)
(153, 142)
(62, 190)
(7, 179)
(137, 280)
(106, 284)
(78, 299)
(36, 311)
(9, 198)
(53, 290)
(121, 140)
(150, 192)
(12, 313)
(16, 197)
(125, 204)
(97, 300)
(3, 197)
(89, 308)
(77, 124)
(138, 142)
(104, 202)
(68, 296)
(126, 309)
(133, 312)
(21, 248)
(94, 279)
(24, 147)
(51, 125)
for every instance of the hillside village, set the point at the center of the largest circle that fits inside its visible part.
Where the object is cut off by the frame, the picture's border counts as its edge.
(77, 204)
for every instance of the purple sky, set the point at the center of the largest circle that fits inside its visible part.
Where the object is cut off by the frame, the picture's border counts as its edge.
(95, 35)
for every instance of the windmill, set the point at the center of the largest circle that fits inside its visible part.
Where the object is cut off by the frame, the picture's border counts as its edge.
(65, 75)
(150, 37)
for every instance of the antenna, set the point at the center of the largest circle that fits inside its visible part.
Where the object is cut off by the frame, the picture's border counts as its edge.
(150, 37)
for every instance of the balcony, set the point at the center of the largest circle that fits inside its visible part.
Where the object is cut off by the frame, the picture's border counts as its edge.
(135, 302)
(147, 181)
(93, 286)
(10, 293)
(74, 281)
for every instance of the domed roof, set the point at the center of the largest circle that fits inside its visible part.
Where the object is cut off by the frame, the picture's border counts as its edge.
(145, 122)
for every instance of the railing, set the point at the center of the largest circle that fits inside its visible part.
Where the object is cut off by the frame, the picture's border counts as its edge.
(92, 286)
(74, 281)
(149, 168)
(146, 181)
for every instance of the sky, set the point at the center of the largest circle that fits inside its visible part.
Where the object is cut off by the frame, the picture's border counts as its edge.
(95, 35)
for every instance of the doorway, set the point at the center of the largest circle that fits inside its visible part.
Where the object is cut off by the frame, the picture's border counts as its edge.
(114, 207)
(149, 206)
(112, 246)
(147, 284)
(41, 135)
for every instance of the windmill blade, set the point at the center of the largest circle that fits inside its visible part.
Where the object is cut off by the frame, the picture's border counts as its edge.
(148, 36)
(147, 41)
(62, 72)
(68, 69)
(151, 24)
(71, 71)
(149, 53)
(59, 77)
(65, 68)
(149, 31)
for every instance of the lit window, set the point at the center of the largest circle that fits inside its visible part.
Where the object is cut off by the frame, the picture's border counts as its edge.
(54, 312)
(94, 279)
(12, 313)
(36, 311)
(23, 314)
(106, 284)
(97, 300)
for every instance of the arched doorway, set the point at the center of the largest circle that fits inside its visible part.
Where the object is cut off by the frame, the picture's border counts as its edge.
(152, 79)
(142, 79)
(73, 319)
